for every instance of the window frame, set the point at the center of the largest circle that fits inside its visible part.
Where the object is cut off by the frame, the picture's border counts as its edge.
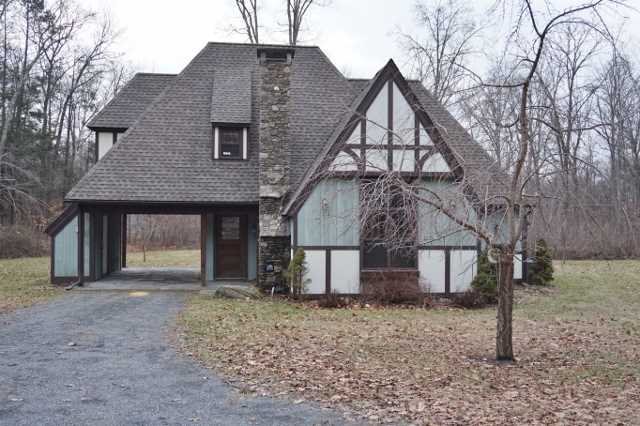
(217, 142)
(394, 260)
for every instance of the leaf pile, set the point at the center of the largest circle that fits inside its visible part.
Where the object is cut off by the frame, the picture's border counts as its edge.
(432, 366)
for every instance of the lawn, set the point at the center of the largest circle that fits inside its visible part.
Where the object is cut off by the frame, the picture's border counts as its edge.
(24, 282)
(174, 258)
(577, 344)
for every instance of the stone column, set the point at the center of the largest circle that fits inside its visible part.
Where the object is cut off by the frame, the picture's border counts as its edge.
(274, 237)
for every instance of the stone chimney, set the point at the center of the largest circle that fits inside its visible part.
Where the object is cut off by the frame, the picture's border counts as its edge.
(274, 237)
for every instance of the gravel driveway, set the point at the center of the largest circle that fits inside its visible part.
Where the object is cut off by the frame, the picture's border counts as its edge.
(104, 358)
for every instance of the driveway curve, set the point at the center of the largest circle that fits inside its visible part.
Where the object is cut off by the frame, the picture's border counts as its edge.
(104, 358)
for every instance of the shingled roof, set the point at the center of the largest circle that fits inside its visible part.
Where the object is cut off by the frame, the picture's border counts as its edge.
(231, 96)
(166, 153)
(125, 108)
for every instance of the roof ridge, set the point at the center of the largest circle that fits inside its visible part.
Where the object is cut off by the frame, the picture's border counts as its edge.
(157, 73)
(258, 45)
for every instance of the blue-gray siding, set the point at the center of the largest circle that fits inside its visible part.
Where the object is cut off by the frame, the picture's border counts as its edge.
(329, 217)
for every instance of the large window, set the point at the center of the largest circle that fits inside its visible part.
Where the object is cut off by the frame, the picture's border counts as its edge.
(230, 143)
(389, 231)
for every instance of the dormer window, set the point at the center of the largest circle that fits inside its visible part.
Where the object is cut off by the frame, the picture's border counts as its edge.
(230, 143)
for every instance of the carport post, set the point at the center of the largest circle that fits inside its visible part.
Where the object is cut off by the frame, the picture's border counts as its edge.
(80, 246)
(123, 240)
(203, 249)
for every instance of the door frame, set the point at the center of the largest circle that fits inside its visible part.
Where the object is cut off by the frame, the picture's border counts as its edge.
(244, 246)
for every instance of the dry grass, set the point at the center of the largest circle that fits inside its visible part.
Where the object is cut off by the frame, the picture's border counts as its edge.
(24, 282)
(577, 344)
(173, 258)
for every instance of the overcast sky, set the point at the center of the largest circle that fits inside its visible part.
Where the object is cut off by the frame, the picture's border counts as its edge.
(359, 36)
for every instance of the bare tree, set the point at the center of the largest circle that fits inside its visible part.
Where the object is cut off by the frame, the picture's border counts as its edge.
(438, 57)
(493, 205)
(249, 12)
(296, 11)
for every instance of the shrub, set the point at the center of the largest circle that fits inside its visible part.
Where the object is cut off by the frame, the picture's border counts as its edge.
(387, 288)
(485, 283)
(22, 241)
(332, 301)
(472, 299)
(295, 273)
(541, 272)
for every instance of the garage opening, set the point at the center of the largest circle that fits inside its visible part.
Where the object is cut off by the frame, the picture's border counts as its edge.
(161, 248)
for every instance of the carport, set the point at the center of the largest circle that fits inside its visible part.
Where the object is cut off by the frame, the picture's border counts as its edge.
(89, 243)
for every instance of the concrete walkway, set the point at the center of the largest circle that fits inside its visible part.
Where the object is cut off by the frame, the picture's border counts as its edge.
(105, 359)
(156, 279)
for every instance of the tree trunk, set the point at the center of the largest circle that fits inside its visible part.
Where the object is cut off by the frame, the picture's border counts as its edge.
(504, 340)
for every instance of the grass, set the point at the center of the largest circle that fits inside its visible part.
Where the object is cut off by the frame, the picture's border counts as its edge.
(174, 258)
(24, 282)
(577, 344)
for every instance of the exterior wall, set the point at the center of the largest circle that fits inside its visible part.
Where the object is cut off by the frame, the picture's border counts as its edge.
(432, 269)
(65, 262)
(65, 249)
(104, 261)
(345, 271)
(329, 217)
(328, 231)
(274, 236)
(463, 269)
(210, 248)
(105, 142)
(252, 247)
(435, 228)
(316, 276)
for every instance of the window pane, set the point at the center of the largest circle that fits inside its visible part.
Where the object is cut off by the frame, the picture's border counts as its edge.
(230, 142)
(403, 258)
(230, 228)
(374, 255)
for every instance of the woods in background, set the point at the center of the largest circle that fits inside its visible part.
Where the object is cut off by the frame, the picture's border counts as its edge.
(583, 114)
(58, 69)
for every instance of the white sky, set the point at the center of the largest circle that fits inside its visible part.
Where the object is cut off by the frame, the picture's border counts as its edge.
(357, 35)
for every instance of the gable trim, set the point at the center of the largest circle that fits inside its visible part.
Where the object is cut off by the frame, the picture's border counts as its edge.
(388, 75)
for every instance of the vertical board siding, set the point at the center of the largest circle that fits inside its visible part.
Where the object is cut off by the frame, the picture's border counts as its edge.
(345, 271)
(403, 119)
(252, 247)
(431, 264)
(105, 244)
(105, 142)
(329, 217)
(378, 118)
(87, 244)
(435, 228)
(210, 247)
(316, 271)
(115, 234)
(66, 252)
(517, 267)
(463, 269)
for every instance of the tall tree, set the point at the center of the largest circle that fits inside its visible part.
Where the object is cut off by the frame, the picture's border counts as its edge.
(249, 13)
(439, 56)
(296, 11)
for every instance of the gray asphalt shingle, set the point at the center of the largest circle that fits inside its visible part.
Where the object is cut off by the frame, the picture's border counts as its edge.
(166, 153)
(125, 108)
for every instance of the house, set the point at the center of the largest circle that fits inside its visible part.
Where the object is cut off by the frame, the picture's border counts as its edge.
(240, 137)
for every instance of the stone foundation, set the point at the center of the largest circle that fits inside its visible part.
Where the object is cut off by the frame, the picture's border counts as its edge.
(272, 252)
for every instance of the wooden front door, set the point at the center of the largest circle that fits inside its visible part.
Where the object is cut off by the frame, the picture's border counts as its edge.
(231, 246)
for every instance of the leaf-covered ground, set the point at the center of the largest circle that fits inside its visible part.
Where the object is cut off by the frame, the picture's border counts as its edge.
(24, 282)
(577, 344)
